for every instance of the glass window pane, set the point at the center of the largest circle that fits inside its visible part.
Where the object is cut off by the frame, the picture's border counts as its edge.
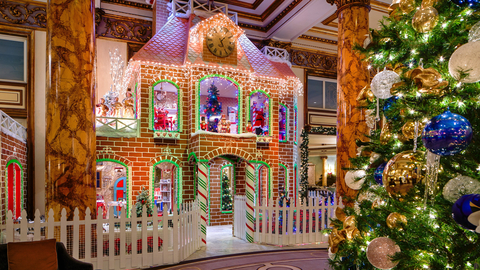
(12, 59)
(259, 118)
(283, 123)
(166, 107)
(330, 95)
(315, 94)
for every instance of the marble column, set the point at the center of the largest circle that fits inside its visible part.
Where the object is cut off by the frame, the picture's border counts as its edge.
(352, 76)
(70, 118)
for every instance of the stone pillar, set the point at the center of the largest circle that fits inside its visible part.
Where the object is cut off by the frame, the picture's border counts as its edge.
(70, 118)
(352, 76)
(202, 195)
(324, 173)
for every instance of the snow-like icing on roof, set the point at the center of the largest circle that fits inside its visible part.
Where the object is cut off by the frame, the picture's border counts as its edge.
(168, 46)
(177, 44)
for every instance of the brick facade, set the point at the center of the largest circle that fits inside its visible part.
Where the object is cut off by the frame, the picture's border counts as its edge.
(11, 148)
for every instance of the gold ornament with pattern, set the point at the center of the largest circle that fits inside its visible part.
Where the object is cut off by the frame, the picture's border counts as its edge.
(425, 19)
(365, 96)
(385, 134)
(403, 172)
(407, 6)
(408, 130)
(220, 41)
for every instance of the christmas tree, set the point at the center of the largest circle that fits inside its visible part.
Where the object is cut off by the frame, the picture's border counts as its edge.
(213, 107)
(226, 194)
(143, 198)
(418, 174)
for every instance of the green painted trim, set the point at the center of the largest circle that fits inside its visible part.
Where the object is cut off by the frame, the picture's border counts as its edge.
(270, 176)
(270, 106)
(286, 123)
(286, 176)
(15, 161)
(197, 109)
(233, 182)
(178, 186)
(295, 123)
(194, 155)
(204, 160)
(127, 184)
(179, 107)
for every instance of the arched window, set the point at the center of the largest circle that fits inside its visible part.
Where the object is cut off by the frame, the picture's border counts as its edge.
(14, 177)
(165, 113)
(259, 115)
(218, 104)
(283, 123)
(166, 185)
(112, 187)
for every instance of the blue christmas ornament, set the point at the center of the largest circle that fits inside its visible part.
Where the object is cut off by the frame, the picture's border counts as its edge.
(379, 174)
(388, 105)
(447, 134)
(473, 4)
(466, 212)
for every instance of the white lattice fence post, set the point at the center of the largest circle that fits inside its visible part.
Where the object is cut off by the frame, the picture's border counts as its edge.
(203, 198)
(250, 194)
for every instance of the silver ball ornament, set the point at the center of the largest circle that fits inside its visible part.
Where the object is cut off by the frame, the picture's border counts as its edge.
(383, 82)
(466, 58)
(474, 33)
(379, 252)
(459, 186)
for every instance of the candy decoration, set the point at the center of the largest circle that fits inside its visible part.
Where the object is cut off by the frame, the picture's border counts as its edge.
(250, 195)
(447, 134)
(203, 172)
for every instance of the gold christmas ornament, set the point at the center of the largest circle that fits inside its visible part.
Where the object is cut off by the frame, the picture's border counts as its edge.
(365, 96)
(425, 19)
(408, 130)
(334, 240)
(402, 137)
(407, 6)
(394, 220)
(340, 214)
(428, 81)
(350, 230)
(429, 3)
(385, 134)
(403, 171)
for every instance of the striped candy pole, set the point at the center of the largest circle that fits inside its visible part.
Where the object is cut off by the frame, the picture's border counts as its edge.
(250, 192)
(203, 198)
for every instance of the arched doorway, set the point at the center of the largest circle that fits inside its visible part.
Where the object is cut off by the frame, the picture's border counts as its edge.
(14, 196)
(119, 193)
(111, 187)
(166, 190)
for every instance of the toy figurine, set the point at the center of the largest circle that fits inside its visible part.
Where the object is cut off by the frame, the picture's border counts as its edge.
(249, 127)
(160, 119)
(128, 105)
(222, 127)
(103, 108)
(203, 125)
(258, 120)
(117, 108)
(282, 126)
(228, 126)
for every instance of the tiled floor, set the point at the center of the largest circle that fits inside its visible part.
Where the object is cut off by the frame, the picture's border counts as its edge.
(221, 242)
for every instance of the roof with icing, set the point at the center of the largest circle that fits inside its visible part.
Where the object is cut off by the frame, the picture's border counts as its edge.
(177, 43)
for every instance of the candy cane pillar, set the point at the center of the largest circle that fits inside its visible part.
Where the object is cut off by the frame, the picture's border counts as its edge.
(202, 195)
(250, 194)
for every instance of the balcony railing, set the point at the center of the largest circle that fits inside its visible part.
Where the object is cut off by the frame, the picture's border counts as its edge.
(116, 127)
(12, 128)
(276, 54)
(183, 9)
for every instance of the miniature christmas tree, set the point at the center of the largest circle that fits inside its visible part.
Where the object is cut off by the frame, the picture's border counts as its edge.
(143, 198)
(226, 194)
(422, 165)
(213, 106)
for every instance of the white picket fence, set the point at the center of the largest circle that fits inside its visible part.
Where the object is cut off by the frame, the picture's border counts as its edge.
(177, 234)
(287, 225)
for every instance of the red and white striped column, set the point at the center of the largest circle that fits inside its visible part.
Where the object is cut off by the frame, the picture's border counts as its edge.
(203, 182)
(250, 194)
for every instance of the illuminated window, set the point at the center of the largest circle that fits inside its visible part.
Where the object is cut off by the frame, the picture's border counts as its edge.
(259, 114)
(283, 123)
(166, 107)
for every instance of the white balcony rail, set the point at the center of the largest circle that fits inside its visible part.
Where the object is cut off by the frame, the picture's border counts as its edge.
(276, 54)
(283, 226)
(12, 128)
(116, 127)
(183, 9)
(150, 241)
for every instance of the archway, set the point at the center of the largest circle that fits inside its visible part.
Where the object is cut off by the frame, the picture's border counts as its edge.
(111, 187)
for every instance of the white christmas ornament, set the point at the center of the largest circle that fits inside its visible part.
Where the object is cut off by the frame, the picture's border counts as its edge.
(467, 59)
(352, 176)
(382, 83)
(459, 186)
(474, 33)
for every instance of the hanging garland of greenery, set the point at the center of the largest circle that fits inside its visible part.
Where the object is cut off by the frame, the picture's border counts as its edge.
(304, 154)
